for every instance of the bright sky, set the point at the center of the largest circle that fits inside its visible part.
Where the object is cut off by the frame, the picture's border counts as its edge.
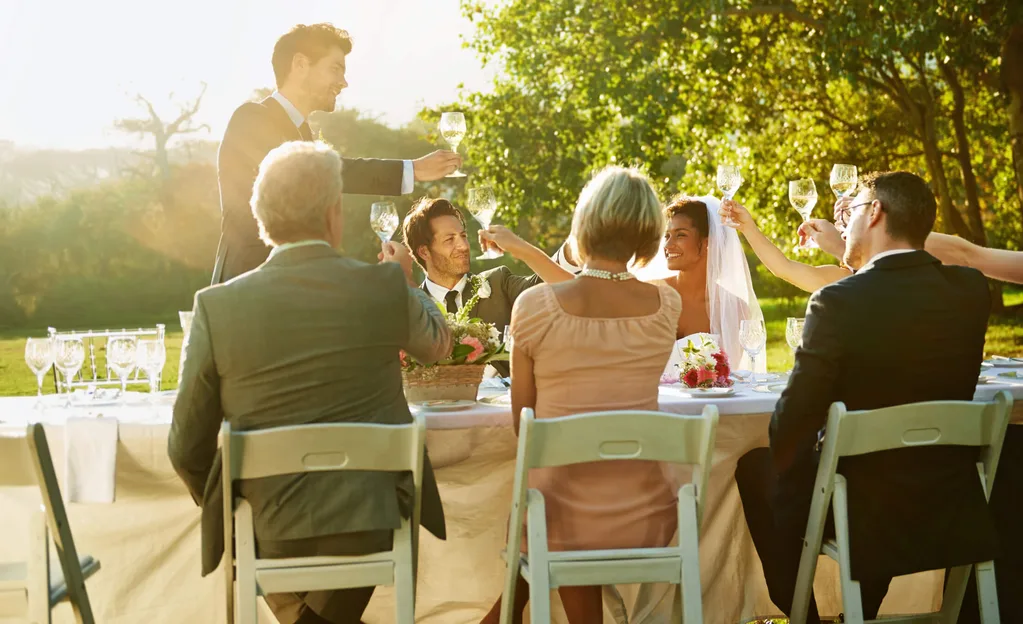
(68, 68)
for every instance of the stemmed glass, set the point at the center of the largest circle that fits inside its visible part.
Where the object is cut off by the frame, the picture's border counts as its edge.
(507, 339)
(150, 356)
(383, 218)
(843, 183)
(729, 180)
(794, 334)
(39, 357)
(482, 205)
(452, 128)
(121, 359)
(803, 197)
(753, 339)
(68, 357)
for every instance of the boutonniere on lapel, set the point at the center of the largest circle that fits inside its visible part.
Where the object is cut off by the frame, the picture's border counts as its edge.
(480, 290)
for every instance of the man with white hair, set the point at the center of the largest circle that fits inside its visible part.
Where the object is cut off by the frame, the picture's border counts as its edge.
(310, 336)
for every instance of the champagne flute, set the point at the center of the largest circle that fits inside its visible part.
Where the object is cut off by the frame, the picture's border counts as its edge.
(843, 183)
(794, 334)
(121, 359)
(729, 180)
(753, 339)
(803, 197)
(150, 356)
(39, 357)
(452, 128)
(482, 205)
(68, 357)
(383, 218)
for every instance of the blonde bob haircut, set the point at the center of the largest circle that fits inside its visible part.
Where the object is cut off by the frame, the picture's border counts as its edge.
(618, 217)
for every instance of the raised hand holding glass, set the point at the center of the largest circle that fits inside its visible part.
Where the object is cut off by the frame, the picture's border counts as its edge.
(803, 197)
(482, 205)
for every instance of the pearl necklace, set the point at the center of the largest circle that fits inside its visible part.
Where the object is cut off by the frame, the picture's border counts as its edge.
(606, 275)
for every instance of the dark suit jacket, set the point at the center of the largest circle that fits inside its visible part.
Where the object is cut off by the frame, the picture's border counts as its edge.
(906, 330)
(505, 288)
(308, 337)
(255, 129)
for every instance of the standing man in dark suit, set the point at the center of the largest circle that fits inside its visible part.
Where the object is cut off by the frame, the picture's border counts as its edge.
(903, 329)
(309, 68)
(434, 232)
(310, 336)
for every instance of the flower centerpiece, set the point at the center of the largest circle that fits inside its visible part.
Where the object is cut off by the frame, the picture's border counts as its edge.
(705, 366)
(474, 343)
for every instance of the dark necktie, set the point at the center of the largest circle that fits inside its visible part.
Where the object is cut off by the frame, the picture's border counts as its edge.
(449, 299)
(305, 131)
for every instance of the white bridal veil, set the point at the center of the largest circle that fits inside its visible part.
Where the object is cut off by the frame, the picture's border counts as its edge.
(730, 296)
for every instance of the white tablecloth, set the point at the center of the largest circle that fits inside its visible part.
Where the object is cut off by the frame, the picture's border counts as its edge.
(148, 540)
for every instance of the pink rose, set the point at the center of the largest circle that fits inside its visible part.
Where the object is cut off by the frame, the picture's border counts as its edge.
(689, 379)
(477, 348)
(704, 375)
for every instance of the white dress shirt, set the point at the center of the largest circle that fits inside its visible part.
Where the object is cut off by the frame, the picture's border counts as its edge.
(439, 293)
(408, 177)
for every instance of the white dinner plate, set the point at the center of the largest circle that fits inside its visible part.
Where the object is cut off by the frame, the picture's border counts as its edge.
(444, 405)
(1001, 362)
(707, 393)
(770, 388)
(497, 399)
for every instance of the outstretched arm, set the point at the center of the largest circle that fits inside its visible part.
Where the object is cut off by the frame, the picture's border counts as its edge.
(540, 263)
(804, 276)
(997, 264)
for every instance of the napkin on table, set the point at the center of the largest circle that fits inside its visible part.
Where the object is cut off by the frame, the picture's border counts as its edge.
(90, 455)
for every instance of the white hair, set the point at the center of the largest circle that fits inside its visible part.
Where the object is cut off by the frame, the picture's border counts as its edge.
(298, 184)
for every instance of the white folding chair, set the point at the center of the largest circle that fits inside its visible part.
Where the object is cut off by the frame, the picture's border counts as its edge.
(953, 423)
(30, 589)
(630, 435)
(319, 448)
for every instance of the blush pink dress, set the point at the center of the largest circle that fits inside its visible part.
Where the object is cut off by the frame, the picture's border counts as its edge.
(596, 364)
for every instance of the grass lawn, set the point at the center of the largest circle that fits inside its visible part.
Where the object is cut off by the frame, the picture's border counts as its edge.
(1004, 337)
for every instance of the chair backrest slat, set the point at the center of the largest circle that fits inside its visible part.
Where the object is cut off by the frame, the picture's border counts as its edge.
(321, 447)
(16, 464)
(604, 436)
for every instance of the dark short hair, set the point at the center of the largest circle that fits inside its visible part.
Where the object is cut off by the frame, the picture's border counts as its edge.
(313, 41)
(907, 201)
(695, 209)
(417, 230)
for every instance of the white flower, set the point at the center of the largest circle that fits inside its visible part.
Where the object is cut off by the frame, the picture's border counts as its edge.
(495, 336)
(483, 289)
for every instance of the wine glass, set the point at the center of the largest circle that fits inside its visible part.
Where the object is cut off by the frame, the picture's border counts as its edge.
(482, 205)
(39, 357)
(150, 356)
(507, 338)
(803, 196)
(729, 180)
(843, 183)
(68, 357)
(794, 334)
(383, 218)
(452, 128)
(753, 339)
(121, 359)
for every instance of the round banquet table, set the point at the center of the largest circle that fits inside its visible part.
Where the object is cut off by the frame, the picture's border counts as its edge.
(148, 540)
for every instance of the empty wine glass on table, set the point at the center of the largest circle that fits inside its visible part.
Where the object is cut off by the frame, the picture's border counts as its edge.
(753, 339)
(452, 128)
(39, 357)
(121, 359)
(803, 197)
(843, 184)
(150, 356)
(482, 204)
(794, 334)
(729, 180)
(383, 218)
(68, 357)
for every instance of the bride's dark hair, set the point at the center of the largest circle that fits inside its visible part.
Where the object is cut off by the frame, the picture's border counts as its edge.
(690, 207)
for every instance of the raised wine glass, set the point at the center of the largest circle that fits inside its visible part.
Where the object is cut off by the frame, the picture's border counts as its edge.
(452, 128)
(803, 197)
(794, 334)
(121, 359)
(482, 204)
(39, 357)
(729, 180)
(843, 183)
(753, 339)
(68, 357)
(383, 218)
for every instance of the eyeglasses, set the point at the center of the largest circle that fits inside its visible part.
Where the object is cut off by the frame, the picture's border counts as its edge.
(842, 218)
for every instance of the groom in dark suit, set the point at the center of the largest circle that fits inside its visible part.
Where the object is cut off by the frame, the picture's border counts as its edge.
(434, 232)
(309, 68)
(903, 329)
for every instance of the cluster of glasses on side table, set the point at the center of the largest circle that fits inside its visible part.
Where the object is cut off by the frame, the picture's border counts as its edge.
(753, 340)
(66, 355)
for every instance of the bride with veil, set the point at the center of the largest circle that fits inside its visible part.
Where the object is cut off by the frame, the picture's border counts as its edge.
(703, 260)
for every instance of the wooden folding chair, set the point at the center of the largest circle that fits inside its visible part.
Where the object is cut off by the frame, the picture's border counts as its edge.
(319, 448)
(949, 423)
(30, 589)
(595, 437)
